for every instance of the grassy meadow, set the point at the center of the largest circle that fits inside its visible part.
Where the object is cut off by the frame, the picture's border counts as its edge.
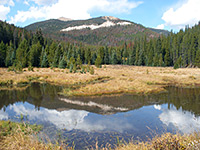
(110, 79)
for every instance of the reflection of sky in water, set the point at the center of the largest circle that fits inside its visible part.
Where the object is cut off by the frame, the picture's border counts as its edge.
(3, 115)
(185, 121)
(132, 121)
(135, 121)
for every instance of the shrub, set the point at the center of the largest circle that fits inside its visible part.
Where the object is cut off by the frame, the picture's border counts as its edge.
(30, 68)
(92, 71)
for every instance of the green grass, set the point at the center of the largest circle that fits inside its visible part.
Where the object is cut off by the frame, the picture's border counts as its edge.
(8, 127)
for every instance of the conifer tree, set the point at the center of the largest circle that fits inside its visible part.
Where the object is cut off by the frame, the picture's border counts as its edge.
(57, 55)
(94, 57)
(106, 56)
(44, 62)
(10, 55)
(131, 58)
(114, 58)
(2, 54)
(22, 54)
(98, 61)
(79, 62)
(197, 59)
(137, 55)
(34, 55)
(62, 63)
(160, 60)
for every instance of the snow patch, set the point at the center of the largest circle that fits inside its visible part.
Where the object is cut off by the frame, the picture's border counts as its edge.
(95, 26)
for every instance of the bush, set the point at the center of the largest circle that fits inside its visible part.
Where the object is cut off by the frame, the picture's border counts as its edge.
(92, 71)
(83, 69)
(11, 68)
(30, 68)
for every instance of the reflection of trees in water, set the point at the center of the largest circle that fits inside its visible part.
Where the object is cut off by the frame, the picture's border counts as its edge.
(35, 94)
(8, 97)
(187, 98)
(45, 95)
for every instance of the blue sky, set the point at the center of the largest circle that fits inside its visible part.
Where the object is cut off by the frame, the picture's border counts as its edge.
(163, 14)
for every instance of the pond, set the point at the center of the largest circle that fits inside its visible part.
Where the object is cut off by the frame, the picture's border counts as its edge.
(106, 120)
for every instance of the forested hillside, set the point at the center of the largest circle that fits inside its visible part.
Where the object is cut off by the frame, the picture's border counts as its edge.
(19, 48)
(113, 35)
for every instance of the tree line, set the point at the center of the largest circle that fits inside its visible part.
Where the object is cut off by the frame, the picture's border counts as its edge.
(20, 48)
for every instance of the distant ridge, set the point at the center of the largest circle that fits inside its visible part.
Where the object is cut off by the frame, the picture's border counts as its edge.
(104, 30)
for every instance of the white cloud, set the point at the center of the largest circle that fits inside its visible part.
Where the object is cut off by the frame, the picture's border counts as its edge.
(26, 3)
(44, 2)
(186, 122)
(158, 107)
(118, 6)
(3, 12)
(161, 26)
(33, 12)
(3, 115)
(71, 119)
(185, 14)
(76, 9)
(65, 119)
(7, 2)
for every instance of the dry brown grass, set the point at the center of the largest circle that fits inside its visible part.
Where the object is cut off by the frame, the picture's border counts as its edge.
(166, 141)
(122, 79)
(20, 136)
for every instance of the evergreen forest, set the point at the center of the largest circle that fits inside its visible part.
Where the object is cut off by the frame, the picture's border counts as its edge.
(20, 48)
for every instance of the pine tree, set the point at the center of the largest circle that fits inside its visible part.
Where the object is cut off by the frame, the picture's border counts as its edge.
(79, 62)
(149, 61)
(94, 57)
(125, 55)
(87, 56)
(167, 58)
(160, 60)
(58, 55)
(38, 37)
(156, 60)
(2, 54)
(62, 63)
(106, 55)
(51, 53)
(34, 55)
(98, 62)
(178, 63)
(197, 59)
(22, 54)
(114, 58)
(44, 62)
(137, 55)
(10, 55)
(131, 58)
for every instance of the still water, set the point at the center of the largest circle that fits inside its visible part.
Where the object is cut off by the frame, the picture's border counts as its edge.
(84, 121)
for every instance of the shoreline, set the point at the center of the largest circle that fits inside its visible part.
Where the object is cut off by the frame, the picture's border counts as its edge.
(26, 136)
(109, 80)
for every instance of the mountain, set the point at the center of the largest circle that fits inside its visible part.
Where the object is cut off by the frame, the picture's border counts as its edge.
(160, 31)
(64, 19)
(105, 30)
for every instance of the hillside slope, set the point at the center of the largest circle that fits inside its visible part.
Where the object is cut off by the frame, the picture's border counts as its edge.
(104, 30)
